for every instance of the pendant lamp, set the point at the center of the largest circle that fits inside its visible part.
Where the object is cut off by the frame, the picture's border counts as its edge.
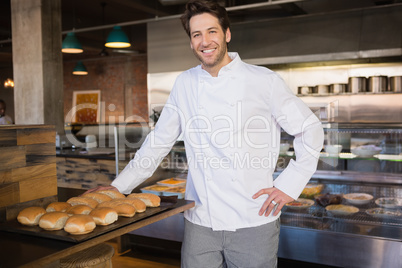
(80, 69)
(117, 38)
(71, 44)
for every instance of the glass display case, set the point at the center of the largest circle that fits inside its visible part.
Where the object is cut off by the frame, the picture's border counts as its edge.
(365, 172)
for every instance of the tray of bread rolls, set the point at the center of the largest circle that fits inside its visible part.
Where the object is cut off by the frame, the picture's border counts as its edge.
(84, 217)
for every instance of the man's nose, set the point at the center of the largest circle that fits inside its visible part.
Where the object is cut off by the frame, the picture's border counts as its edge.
(206, 40)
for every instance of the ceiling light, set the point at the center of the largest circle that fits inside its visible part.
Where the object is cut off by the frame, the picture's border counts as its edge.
(117, 38)
(9, 83)
(71, 44)
(80, 69)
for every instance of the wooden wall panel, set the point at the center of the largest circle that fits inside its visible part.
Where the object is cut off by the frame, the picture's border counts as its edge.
(9, 194)
(8, 138)
(12, 157)
(28, 169)
(33, 172)
(38, 154)
(5, 177)
(37, 188)
(35, 136)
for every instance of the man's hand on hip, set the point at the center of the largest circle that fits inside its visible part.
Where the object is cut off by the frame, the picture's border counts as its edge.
(276, 200)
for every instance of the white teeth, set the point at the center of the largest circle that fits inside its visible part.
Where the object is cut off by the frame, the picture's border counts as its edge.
(208, 50)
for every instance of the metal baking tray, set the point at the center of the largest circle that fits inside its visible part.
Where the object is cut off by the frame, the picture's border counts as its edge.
(16, 227)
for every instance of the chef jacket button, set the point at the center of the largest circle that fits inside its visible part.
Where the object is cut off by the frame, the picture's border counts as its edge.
(200, 107)
(201, 81)
(233, 179)
(232, 104)
(209, 178)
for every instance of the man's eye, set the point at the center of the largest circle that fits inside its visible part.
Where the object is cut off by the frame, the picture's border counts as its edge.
(195, 35)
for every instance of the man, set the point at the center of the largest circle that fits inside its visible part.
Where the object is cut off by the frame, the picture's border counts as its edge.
(4, 119)
(229, 114)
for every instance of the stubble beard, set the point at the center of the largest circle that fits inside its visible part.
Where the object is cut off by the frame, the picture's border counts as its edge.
(219, 58)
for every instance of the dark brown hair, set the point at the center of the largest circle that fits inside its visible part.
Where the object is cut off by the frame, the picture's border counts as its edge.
(197, 7)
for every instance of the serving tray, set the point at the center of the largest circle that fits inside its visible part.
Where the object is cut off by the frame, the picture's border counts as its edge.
(16, 227)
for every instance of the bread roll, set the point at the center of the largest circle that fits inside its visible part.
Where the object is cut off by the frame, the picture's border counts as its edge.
(53, 220)
(150, 200)
(83, 201)
(79, 209)
(58, 206)
(30, 215)
(104, 215)
(123, 209)
(136, 202)
(79, 224)
(112, 193)
(100, 198)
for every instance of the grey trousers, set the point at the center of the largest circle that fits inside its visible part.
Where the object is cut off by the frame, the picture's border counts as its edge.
(245, 248)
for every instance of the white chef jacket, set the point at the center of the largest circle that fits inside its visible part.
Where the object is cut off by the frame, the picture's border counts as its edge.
(230, 125)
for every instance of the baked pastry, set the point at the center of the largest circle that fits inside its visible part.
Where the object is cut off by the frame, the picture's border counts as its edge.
(112, 193)
(98, 197)
(53, 220)
(79, 209)
(123, 209)
(79, 224)
(150, 200)
(30, 216)
(58, 206)
(136, 202)
(83, 201)
(104, 215)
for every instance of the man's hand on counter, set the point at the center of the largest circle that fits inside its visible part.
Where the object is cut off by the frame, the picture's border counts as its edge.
(100, 188)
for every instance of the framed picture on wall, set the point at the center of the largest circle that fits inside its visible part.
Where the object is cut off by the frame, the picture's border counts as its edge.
(86, 106)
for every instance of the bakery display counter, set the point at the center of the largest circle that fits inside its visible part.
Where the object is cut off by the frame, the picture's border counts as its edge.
(367, 232)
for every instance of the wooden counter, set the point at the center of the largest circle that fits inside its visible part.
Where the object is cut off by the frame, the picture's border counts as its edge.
(18, 250)
(80, 169)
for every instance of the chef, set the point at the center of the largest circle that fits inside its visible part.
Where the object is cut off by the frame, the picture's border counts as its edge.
(230, 116)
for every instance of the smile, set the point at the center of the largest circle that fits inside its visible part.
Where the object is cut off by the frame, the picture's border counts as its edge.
(208, 50)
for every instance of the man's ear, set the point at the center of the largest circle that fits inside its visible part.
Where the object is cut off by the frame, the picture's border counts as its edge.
(228, 35)
(191, 45)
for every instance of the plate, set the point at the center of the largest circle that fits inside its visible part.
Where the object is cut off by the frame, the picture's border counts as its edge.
(366, 150)
(342, 210)
(358, 198)
(300, 203)
(384, 213)
(389, 202)
(172, 182)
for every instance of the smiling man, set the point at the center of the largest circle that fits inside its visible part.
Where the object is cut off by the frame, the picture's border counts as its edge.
(230, 116)
(209, 42)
